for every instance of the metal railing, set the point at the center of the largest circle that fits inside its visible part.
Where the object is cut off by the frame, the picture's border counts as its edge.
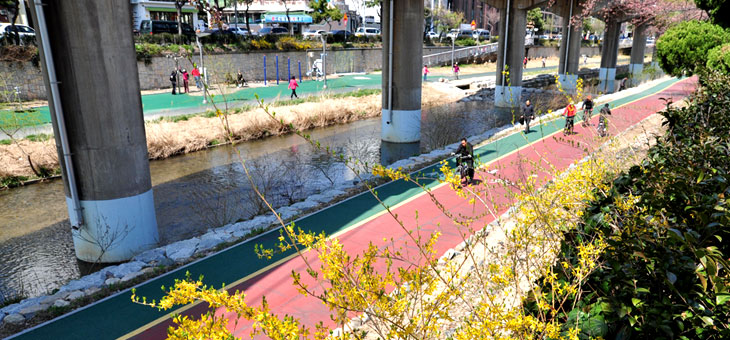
(466, 52)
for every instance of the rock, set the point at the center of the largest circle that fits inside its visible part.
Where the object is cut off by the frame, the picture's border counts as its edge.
(112, 281)
(131, 276)
(181, 250)
(91, 280)
(403, 163)
(125, 268)
(287, 213)
(30, 311)
(355, 322)
(151, 255)
(61, 303)
(2, 316)
(344, 185)
(14, 319)
(263, 221)
(75, 295)
(148, 270)
(164, 262)
(305, 205)
(209, 240)
(332, 194)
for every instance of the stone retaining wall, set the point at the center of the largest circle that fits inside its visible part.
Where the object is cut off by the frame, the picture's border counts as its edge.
(156, 73)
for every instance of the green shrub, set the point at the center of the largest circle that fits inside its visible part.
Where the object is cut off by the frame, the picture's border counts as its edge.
(665, 271)
(465, 42)
(684, 48)
(718, 59)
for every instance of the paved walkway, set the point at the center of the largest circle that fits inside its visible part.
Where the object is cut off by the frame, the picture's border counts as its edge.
(357, 221)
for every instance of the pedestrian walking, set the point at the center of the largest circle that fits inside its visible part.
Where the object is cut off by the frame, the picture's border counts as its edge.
(456, 70)
(528, 114)
(524, 63)
(587, 111)
(173, 81)
(293, 87)
(603, 121)
(585, 59)
(425, 72)
(185, 77)
(543, 62)
(569, 114)
(622, 84)
(196, 75)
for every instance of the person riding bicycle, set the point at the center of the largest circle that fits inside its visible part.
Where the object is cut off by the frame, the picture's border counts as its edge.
(587, 111)
(465, 153)
(603, 121)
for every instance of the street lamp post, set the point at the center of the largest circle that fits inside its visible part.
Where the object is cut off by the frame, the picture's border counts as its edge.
(199, 35)
(324, 58)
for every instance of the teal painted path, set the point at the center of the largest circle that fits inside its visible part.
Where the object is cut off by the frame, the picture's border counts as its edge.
(117, 316)
(153, 104)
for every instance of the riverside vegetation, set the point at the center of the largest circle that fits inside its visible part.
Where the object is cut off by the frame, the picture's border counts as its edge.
(600, 251)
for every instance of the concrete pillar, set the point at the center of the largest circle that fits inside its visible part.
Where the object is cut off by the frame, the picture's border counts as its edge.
(94, 60)
(509, 92)
(401, 118)
(638, 48)
(569, 62)
(609, 55)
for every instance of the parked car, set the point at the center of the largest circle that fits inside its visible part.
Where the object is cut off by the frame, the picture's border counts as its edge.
(273, 30)
(340, 35)
(456, 34)
(239, 31)
(433, 35)
(163, 26)
(313, 34)
(367, 32)
(481, 34)
(23, 30)
(544, 36)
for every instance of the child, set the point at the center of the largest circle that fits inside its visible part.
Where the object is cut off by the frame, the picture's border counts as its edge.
(425, 72)
(456, 70)
(293, 87)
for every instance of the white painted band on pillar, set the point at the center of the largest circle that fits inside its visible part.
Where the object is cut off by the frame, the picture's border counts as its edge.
(607, 77)
(116, 230)
(507, 96)
(568, 82)
(405, 126)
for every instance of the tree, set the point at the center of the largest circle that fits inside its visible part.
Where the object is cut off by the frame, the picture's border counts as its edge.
(534, 18)
(378, 4)
(684, 48)
(288, 20)
(492, 18)
(718, 59)
(446, 20)
(718, 11)
(178, 8)
(248, 6)
(322, 11)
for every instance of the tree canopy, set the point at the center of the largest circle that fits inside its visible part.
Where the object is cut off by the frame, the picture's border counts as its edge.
(684, 47)
(323, 12)
(719, 11)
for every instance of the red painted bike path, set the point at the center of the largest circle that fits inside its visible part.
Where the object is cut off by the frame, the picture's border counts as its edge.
(561, 151)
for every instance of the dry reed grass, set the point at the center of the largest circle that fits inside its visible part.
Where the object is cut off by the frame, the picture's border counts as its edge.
(165, 139)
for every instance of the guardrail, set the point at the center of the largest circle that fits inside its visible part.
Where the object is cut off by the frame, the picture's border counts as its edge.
(471, 51)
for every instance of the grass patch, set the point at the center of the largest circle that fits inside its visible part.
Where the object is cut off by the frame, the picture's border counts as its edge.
(5, 142)
(41, 137)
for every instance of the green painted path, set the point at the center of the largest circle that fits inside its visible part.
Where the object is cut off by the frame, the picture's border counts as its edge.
(116, 316)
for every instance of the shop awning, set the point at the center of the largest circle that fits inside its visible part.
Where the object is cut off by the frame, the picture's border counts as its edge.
(298, 18)
(167, 9)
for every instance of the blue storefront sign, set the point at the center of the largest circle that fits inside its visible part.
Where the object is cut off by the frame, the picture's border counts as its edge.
(293, 18)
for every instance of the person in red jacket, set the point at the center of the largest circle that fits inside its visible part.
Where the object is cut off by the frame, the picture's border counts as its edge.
(293, 87)
(569, 114)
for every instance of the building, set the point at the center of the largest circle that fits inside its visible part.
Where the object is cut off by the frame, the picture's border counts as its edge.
(483, 15)
(162, 10)
(270, 13)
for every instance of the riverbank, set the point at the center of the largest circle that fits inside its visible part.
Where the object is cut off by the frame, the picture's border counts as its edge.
(176, 135)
